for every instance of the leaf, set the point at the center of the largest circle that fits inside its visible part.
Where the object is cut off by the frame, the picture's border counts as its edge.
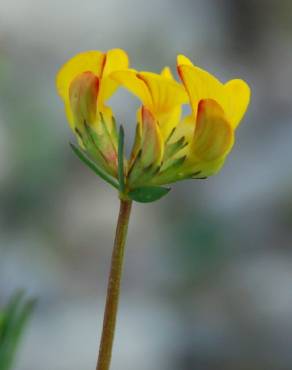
(13, 320)
(148, 194)
(121, 160)
(93, 166)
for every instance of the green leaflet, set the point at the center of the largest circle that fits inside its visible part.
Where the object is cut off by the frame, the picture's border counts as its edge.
(94, 167)
(148, 194)
(121, 175)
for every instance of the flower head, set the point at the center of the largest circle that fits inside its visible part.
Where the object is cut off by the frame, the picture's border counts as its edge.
(85, 85)
(168, 147)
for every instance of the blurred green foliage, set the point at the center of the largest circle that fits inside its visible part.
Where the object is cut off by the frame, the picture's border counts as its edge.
(13, 319)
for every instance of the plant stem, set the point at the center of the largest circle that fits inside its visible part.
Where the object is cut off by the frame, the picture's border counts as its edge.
(113, 290)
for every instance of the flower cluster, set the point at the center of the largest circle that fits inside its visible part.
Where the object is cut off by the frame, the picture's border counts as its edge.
(167, 147)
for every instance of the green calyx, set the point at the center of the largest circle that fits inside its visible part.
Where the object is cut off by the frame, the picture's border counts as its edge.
(142, 194)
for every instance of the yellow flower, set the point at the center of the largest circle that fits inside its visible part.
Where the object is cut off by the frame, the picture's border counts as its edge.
(217, 109)
(162, 98)
(84, 85)
(167, 147)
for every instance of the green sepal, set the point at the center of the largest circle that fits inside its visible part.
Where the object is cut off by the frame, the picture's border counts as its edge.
(172, 164)
(147, 194)
(121, 175)
(173, 148)
(93, 166)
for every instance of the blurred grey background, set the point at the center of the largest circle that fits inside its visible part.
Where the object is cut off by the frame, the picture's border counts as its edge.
(208, 275)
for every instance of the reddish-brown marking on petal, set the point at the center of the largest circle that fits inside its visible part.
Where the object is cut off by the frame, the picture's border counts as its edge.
(151, 140)
(201, 107)
(179, 71)
(83, 94)
(142, 78)
(213, 134)
(103, 65)
(147, 116)
(111, 157)
(209, 106)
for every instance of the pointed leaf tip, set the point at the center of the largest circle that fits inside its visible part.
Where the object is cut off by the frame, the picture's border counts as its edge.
(148, 194)
(93, 166)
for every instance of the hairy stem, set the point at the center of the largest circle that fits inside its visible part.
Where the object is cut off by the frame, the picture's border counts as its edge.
(113, 290)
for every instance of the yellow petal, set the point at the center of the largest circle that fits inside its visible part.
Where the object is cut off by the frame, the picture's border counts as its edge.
(167, 97)
(129, 80)
(201, 85)
(214, 135)
(165, 93)
(89, 61)
(178, 144)
(183, 60)
(238, 96)
(163, 96)
(115, 60)
(185, 128)
(202, 170)
(169, 120)
(166, 72)
(83, 93)
(233, 96)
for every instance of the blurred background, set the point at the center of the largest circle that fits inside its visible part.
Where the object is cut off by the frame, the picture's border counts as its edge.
(207, 283)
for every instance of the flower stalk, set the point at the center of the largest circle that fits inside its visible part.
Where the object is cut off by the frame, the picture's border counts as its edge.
(169, 145)
(113, 290)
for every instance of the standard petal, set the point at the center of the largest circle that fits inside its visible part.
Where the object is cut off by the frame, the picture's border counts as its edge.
(238, 96)
(166, 72)
(129, 80)
(165, 92)
(161, 94)
(115, 60)
(214, 135)
(233, 96)
(183, 60)
(169, 120)
(201, 85)
(167, 97)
